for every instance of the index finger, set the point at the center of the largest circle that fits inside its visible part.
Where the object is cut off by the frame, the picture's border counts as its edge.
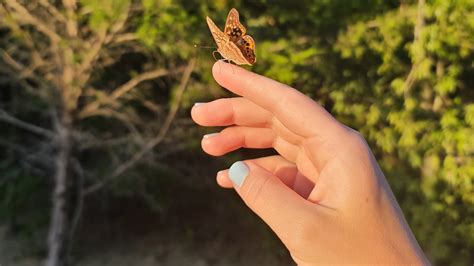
(293, 109)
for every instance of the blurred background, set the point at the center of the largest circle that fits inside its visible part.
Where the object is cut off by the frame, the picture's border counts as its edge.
(100, 163)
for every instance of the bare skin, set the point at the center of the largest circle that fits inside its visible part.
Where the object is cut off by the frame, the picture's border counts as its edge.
(324, 195)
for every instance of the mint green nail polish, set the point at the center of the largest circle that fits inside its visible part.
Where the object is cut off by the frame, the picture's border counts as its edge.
(209, 135)
(238, 172)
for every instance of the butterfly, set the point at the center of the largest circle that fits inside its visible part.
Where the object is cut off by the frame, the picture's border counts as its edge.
(233, 44)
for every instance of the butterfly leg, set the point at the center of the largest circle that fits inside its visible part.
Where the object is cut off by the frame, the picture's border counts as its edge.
(214, 55)
(231, 65)
(217, 60)
(229, 62)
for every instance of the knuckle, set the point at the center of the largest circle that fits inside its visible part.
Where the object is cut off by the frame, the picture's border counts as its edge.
(236, 134)
(235, 131)
(357, 141)
(356, 135)
(229, 129)
(226, 108)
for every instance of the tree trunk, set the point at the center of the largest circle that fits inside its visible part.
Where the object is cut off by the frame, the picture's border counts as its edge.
(60, 219)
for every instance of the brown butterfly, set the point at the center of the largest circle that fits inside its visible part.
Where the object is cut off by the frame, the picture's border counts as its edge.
(233, 44)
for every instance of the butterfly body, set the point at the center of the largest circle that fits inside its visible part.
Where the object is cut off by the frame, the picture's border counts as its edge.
(233, 44)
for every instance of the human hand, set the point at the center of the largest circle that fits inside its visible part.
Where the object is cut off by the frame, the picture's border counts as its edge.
(324, 195)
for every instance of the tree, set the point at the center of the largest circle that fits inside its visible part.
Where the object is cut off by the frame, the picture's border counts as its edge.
(52, 53)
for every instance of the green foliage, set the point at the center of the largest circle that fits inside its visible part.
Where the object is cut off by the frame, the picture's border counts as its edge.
(412, 98)
(105, 13)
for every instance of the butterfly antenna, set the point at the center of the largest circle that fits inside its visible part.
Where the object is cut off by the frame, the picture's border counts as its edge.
(205, 47)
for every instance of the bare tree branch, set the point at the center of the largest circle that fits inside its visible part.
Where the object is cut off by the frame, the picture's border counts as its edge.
(126, 37)
(36, 58)
(98, 143)
(137, 80)
(31, 159)
(126, 120)
(155, 141)
(23, 16)
(14, 147)
(10, 61)
(22, 70)
(93, 53)
(5, 117)
(91, 108)
(71, 22)
(57, 15)
(105, 36)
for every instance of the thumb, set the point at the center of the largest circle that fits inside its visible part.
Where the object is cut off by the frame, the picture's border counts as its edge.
(277, 204)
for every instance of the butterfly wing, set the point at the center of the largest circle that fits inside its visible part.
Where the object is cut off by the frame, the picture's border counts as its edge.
(233, 44)
(246, 44)
(233, 53)
(233, 28)
(217, 34)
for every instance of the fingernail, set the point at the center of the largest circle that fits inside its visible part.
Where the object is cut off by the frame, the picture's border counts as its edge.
(238, 172)
(197, 104)
(209, 135)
